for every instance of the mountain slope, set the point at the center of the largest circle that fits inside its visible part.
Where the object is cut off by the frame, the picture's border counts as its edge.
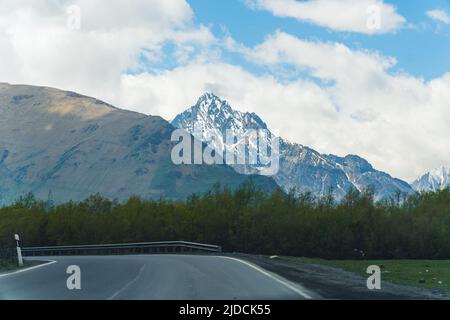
(76, 146)
(301, 167)
(433, 180)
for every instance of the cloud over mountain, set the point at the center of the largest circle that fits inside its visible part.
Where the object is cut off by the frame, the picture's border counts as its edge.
(338, 15)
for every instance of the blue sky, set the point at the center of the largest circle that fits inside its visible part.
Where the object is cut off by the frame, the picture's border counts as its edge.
(421, 49)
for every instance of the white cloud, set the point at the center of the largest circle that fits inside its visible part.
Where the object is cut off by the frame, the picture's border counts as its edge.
(389, 118)
(171, 92)
(362, 16)
(41, 49)
(439, 15)
(396, 121)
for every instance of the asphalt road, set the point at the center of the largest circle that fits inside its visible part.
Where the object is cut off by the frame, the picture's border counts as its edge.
(151, 277)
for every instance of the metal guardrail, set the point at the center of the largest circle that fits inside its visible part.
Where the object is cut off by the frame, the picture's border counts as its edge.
(124, 248)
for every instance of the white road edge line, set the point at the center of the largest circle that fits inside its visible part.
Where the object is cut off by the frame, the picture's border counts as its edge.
(285, 283)
(28, 269)
(128, 284)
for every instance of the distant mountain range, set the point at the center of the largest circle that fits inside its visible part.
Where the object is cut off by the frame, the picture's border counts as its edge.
(301, 167)
(71, 146)
(433, 180)
(67, 146)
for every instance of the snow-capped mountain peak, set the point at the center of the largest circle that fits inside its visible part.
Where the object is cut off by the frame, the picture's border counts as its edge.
(212, 113)
(209, 102)
(300, 167)
(74, 146)
(436, 179)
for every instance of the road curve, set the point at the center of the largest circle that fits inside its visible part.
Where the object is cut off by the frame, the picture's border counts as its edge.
(152, 277)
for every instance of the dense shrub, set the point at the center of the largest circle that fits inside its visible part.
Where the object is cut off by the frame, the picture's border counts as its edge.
(247, 220)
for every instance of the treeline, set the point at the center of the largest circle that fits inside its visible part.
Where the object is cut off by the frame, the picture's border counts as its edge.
(246, 220)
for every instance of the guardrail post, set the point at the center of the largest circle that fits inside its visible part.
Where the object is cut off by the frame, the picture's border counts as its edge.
(19, 250)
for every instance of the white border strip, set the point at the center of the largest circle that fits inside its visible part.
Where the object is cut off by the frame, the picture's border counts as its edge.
(28, 269)
(283, 282)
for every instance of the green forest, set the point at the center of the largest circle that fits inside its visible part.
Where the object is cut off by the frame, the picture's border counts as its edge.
(246, 220)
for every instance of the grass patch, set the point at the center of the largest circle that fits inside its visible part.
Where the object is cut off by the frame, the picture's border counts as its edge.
(432, 274)
(10, 265)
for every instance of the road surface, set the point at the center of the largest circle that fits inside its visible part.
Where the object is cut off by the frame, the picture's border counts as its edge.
(156, 277)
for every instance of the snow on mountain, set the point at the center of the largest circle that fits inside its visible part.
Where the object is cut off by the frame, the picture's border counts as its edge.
(213, 115)
(75, 146)
(210, 120)
(300, 167)
(433, 180)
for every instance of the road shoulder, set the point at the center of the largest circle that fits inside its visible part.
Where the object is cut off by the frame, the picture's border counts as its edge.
(334, 283)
